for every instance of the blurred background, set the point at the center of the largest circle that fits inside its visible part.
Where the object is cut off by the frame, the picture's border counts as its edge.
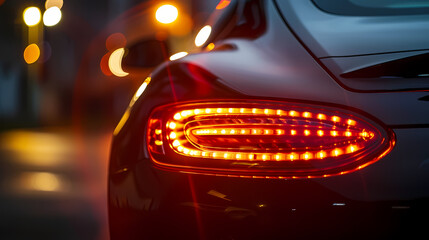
(68, 69)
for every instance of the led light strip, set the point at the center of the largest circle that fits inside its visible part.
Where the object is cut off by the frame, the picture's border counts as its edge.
(176, 142)
(263, 112)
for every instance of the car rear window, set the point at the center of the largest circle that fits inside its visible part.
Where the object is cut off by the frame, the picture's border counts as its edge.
(374, 7)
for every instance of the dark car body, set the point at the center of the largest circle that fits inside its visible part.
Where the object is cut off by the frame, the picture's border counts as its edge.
(285, 52)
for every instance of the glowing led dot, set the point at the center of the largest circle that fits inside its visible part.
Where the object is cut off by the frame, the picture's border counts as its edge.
(219, 110)
(279, 132)
(197, 111)
(225, 155)
(186, 151)
(158, 131)
(237, 156)
(204, 154)
(293, 113)
(208, 110)
(334, 133)
(291, 157)
(158, 142)
(230, 110)
(173, 135)
(251, 156)
(307, 156)
(321, 155)
(180, 149)
(348, 134)
(351, 149)
(243, 131)
(223, 131)
(292, 132)
(177, 116)
(176, 143)
(232, 131)
(320, 133)
(351, 122)
(279, 112)
(335, 119)
(214, 155)
(307, 132)
(336, 152)
(321, 116)
(306, 114)
(364, 134)
(172, 125)
(241, 110)
(264, 157)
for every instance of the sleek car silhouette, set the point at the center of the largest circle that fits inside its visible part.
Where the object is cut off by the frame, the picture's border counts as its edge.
(296, 119)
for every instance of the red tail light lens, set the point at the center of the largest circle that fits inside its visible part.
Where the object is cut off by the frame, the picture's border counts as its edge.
(265, 139)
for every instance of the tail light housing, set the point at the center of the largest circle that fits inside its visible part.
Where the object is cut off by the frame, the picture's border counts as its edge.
(264, 139)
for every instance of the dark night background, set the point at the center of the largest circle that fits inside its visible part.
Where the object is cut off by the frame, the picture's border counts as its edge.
(57, 115)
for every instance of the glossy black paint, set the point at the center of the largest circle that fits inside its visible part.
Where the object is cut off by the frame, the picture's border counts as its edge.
(384, 200)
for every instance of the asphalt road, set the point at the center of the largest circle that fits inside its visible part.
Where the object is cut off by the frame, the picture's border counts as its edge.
(53, 184)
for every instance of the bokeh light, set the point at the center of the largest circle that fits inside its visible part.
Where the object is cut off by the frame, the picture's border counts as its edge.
(31, 53)
(166, 14)
(115, 62)
(54, 3)
(203, 35)
(32, 16)
(178, 55)
(40, 181)
(52, 16)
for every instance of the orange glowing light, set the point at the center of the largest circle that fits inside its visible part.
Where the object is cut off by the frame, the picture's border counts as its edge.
(223, 4)
(166, 14)
(227, 132)
(31, 53)
(210, 47)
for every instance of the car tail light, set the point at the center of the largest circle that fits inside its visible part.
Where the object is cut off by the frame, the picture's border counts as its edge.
(264, 139)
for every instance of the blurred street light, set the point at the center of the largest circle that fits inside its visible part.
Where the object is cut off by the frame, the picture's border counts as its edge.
(54, 3)
(52, 16)
(166, 14)
(31, 53)
(32, 16)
